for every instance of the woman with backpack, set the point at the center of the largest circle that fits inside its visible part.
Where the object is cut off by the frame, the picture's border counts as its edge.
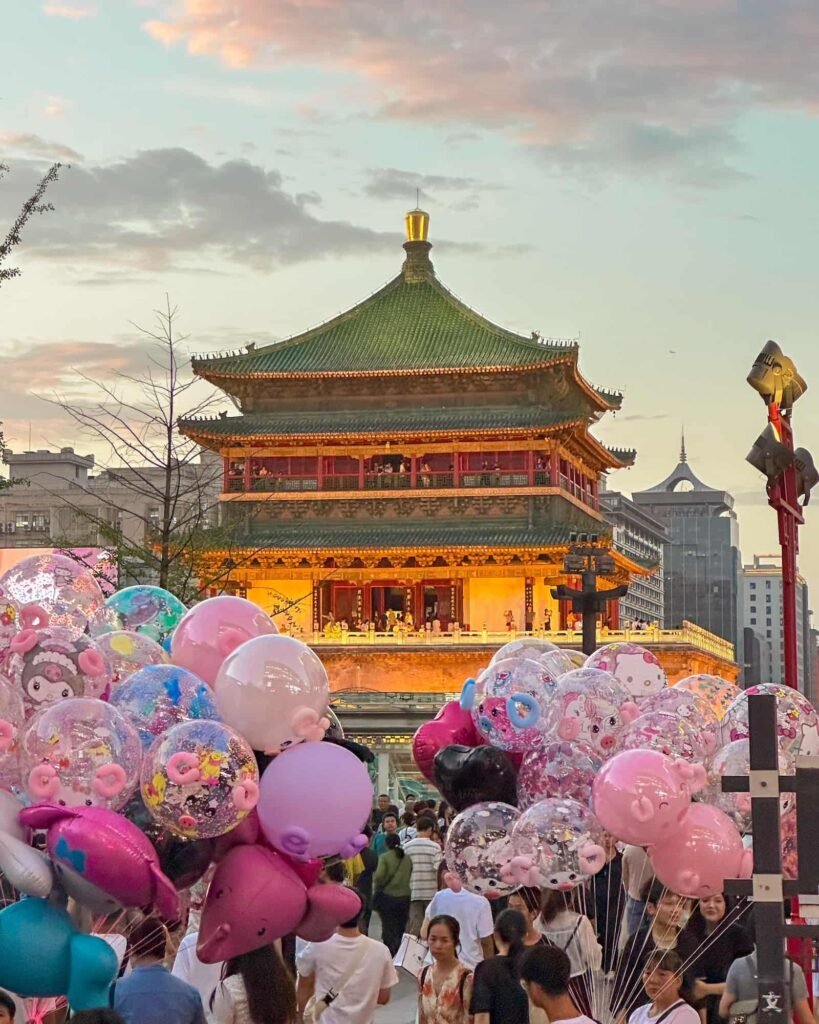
(446, 984)
(567, 929)
(391, 892)
(497, 994)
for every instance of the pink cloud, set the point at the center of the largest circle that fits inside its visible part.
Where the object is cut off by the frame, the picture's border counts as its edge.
(72, 11)
(581, 78)
(55, 106)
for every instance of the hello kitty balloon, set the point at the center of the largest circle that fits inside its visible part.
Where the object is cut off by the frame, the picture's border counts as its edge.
(589, 705)
(635, 668)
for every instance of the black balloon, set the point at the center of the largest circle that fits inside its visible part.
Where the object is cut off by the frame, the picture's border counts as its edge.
(184, 861)
(470, 775)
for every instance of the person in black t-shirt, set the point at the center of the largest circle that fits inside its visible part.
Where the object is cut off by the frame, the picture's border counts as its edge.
(716, 929)
(497, 994)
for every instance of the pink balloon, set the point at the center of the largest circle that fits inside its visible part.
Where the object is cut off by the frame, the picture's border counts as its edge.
(212, 630)
(702, 853)
(451, 725)
(642, 796)
(314, 801)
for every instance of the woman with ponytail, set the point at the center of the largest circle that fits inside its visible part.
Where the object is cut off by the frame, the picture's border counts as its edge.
(256, 988)
(497, 994)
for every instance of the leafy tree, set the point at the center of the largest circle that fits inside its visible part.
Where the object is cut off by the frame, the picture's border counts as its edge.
(35, 204)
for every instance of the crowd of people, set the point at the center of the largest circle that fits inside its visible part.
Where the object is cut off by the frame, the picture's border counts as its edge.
(622, 949)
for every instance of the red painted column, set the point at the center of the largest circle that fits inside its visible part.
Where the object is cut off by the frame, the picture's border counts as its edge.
(456, 470)
(413, 471)
(247, 482)
(226, 475)
(320, 472)
(554, 463)
(530, 467)
(361, 472)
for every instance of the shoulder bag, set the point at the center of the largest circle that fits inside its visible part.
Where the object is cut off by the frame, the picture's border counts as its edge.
(316, 1006)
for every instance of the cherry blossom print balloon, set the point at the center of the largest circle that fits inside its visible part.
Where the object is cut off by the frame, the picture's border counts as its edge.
(159, 696)
(127, 653)
(589, 706)
(797, 723)
(12, 716)
(636, 669)
(665, 732)
(151, 611)
(716, 692)
(642, 796)
(479, 847)
(508, 702)
(48, 665)
(694, 711)
(80, 752)
(734, 759)
(200, 779)
(559, 769)
(557, 844)
(212, 630)
(274, 690)
(54, 590)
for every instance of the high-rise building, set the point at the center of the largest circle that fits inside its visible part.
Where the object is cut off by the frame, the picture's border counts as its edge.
(762, 615)
(701, 558)
(638, 535)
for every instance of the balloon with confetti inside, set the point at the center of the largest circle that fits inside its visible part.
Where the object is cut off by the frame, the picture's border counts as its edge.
(160, 696)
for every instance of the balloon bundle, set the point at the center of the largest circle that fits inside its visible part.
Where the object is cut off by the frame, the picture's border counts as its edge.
(143, 744)
(550, 762)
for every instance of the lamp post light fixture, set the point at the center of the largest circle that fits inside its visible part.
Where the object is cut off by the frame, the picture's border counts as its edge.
(790, 475)
(589, 559)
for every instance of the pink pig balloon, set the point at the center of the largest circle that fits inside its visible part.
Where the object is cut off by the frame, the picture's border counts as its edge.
(451, 725)
(212, 630)
(642, 796)
(314, 801)
(702, 853)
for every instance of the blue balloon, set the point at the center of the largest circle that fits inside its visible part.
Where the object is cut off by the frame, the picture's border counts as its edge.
(44, 955)
(143, 609)
(157, 697)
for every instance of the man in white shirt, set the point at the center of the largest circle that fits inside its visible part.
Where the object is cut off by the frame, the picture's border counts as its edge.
(545, 973)
(425, 855)
(188, 967)
(473, 914)
(323, 965)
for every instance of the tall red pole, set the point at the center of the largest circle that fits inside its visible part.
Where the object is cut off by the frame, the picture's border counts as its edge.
(783, 497)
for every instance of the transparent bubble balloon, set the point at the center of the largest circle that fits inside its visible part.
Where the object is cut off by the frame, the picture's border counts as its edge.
(558, 662)
(478, 848)
(589, 706)
(54, 590)
(49, 665)
(561, 769)
(200, 779)
(526, 647)
(127, 653)
(637, 669)
(797, 724)
(665, 732)
(12, 717)
(80, 753)
(734, 759)
(157, 697)
(716, 692)
(9, 623)
(695, 712)
(213, 629)
(151, 611)
(508, 702)
(558, 844)
(577, 658)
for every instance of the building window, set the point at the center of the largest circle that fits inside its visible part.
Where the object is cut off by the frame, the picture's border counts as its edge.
(753, 622)
(753, 584)
(767, 584)
(767, 599)
(768, 634)
(767, 622)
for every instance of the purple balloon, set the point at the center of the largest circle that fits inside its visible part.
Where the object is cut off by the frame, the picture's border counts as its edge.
(315, 799)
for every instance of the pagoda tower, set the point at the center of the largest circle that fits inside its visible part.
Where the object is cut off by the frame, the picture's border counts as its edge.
(409, 465)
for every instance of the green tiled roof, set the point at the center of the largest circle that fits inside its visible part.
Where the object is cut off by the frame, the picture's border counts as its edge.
(387, 421)
(421, 535)
(404, 327)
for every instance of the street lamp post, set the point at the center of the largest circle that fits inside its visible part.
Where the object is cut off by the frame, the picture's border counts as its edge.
(790, 476)
(588, 559)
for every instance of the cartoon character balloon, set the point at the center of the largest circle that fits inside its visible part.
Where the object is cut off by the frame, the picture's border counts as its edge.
(200, 779)
(9, 623)
(508, 702)
(637, 669)
(642, 796)
(274, 690)
(693, 710)
(479, 847)
(315, 800)
(716, 692)
(80, 752)
(451, 725)
(797, 723)
(127, 653)
(152, 611)
(665, 732)
(589, 706)
(557, 844)
(558, 769)
(704, 851)
(49, 665)
(471, 775)
(734, 759)
(12, 716)
(213, 629)
(159, 696)
(54, 590)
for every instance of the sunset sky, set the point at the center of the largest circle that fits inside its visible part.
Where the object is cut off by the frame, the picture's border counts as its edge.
(640, 174)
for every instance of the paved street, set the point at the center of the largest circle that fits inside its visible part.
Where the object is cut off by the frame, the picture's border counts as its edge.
(401, 1008)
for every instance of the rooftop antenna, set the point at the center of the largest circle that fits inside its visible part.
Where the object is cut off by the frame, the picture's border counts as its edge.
(418, 199)
(683, 455)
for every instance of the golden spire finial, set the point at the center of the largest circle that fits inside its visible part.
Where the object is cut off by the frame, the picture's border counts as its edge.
(417, 222)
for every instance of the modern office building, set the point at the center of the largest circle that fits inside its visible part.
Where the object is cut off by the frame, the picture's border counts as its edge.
(762, 615)
(701, 557)
(638, 535)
